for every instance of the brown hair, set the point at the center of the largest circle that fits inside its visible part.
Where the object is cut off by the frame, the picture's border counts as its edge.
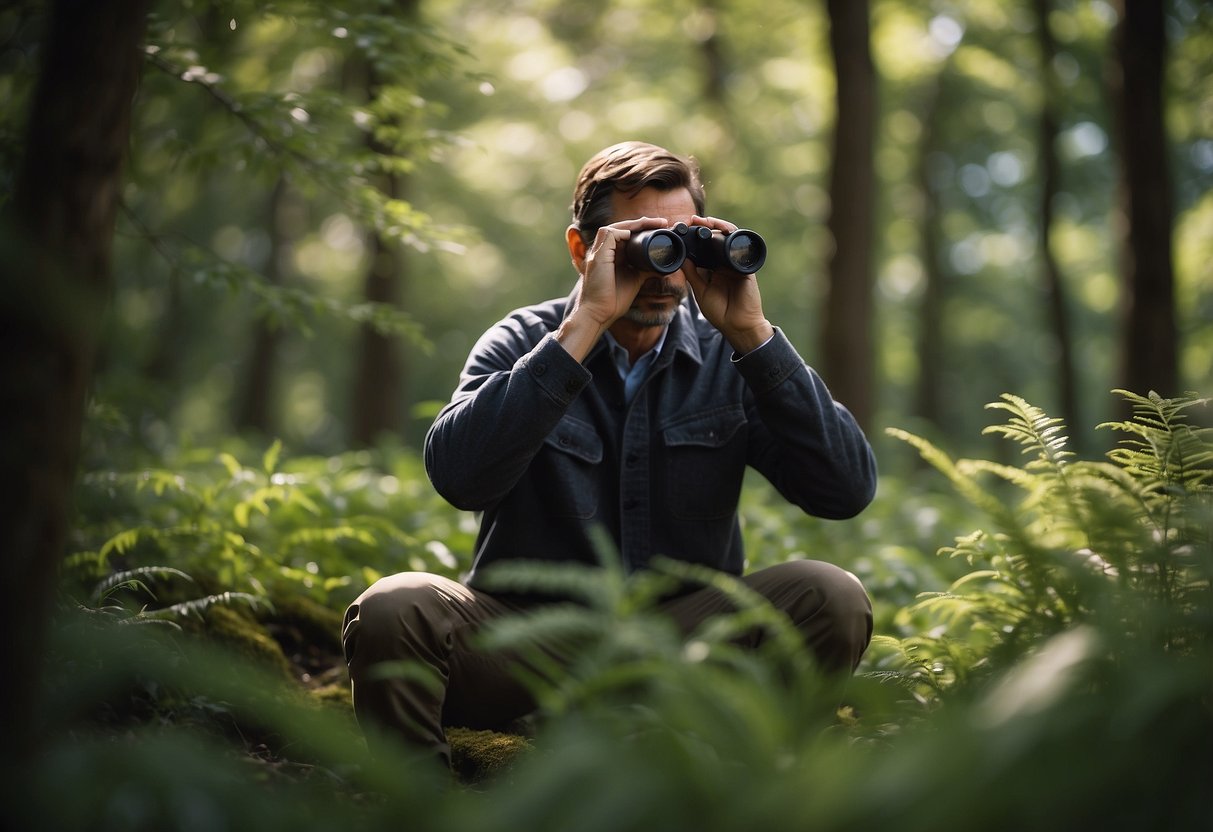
(628, 167)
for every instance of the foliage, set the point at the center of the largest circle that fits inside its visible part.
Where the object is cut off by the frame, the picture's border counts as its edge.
(491, 108)
(1122, 545)
(105, 598)
(314, 525)
(1077, 643)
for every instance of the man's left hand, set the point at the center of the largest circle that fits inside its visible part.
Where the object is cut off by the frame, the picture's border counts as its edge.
(728, 299)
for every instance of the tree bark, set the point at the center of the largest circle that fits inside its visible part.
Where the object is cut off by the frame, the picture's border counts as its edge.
(1050, 176)
(847, 331)
(928, 393)
(379, 377)
(255, 406)
(1150, 341)
(56, 281)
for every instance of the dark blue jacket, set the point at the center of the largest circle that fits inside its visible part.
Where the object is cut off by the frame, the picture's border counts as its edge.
(546, 447)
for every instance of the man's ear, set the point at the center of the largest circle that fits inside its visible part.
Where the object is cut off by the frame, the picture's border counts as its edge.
(577, 248)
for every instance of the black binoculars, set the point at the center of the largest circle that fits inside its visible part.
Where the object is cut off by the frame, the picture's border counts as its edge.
(663, 250)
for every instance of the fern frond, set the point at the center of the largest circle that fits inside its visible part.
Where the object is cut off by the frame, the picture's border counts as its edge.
(134, 579)
(960, 479)
(588, 584)
(199, 606)
(1165, 451)
(331, 534)
(1035, 430)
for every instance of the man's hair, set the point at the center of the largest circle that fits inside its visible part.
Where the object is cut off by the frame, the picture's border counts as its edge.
(628, 167)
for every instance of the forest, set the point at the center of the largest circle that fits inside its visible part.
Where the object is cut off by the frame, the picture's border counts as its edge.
(247, 248)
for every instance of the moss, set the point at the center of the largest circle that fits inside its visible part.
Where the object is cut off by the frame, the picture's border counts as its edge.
(306, 619)
(337, 694)
(477, 756)
(240, 632)
(309, 635)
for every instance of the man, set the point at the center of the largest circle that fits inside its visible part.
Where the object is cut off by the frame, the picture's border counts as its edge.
(634, 405)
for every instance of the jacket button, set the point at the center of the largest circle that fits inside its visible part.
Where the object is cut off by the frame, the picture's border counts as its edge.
(631, 504)
(539, 368)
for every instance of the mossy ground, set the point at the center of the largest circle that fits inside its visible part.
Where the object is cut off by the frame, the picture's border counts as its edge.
(299, 639)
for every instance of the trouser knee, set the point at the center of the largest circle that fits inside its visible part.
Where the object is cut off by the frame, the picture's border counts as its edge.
(396, 616)
(830, 608)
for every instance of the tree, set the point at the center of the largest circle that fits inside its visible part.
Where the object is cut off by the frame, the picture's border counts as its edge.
(1150, 346)
(56, 280)
(255, 405)
(847, 330)
(379, 372)
(931, 347)
(1050, 176)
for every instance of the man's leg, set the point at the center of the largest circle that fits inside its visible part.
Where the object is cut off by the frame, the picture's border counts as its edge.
(427, 622)
(827, 604)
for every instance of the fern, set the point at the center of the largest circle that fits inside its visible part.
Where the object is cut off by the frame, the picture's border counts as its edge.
(134, 579)
(137, 581)
(197, 607)
(1086, 540)
(253, 519)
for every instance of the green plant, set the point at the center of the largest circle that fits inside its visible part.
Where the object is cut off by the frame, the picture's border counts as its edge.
(105, 598)
(323, 526)
(1123, 543)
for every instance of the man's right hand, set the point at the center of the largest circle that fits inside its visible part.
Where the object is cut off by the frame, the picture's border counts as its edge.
(608, 285)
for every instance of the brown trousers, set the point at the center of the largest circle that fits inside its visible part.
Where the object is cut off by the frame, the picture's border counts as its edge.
(428, 620)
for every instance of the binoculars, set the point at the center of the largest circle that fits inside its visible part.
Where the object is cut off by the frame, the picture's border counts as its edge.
(663, 250)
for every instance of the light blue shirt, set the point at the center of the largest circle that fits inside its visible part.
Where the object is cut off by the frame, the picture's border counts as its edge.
(633, 374)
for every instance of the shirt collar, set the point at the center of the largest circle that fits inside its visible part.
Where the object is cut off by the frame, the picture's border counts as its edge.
(620, 355)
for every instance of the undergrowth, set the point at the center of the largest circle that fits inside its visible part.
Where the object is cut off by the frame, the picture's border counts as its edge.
(1053, 669)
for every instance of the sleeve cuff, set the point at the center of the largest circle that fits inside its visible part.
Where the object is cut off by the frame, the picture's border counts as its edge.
(556, 372)
(766, 367)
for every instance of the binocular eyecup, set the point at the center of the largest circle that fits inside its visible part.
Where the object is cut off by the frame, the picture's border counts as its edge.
(663, 250)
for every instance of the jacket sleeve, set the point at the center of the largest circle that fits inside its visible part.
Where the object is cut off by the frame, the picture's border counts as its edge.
(809, 446)
(514, 388)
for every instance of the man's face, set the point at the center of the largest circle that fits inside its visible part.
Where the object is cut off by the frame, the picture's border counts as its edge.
(660, 294)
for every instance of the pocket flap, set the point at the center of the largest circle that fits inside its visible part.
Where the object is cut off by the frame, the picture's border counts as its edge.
(709, 430)
(577, 439)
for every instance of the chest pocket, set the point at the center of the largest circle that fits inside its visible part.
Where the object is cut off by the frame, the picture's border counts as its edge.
(705, 463)
(573, 452)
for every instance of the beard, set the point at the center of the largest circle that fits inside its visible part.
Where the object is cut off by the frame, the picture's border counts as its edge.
(657, 317)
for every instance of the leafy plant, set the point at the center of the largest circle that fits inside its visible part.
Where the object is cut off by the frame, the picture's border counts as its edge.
(326, 526)
(1039, 688)
(1124, 543)
(104, 598)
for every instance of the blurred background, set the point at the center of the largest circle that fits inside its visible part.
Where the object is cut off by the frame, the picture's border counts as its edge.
(324, 205)
(325, 208)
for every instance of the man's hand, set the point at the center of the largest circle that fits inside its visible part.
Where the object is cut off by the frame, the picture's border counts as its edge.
(729, 300)
(608, 286)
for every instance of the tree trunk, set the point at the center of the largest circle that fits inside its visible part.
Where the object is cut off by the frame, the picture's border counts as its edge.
(254, 408)
(1050, 176)
(379, 376)
(1150, 341)
(56, 244)
(928, 394)
(847, 331)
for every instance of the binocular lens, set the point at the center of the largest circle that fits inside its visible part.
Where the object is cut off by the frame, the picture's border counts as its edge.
(746, 252)
(658, 250)
(665, 252)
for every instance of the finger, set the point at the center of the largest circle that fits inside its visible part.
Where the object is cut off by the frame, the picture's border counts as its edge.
(607, 238)
(640, 223)
(714, 223)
